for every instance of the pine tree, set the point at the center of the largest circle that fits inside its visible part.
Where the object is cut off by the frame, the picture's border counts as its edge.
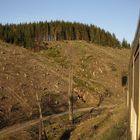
(28, 35)
(125, 44)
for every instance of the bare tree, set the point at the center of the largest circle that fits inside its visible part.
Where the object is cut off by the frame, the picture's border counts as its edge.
(70, 95)
(42, 132)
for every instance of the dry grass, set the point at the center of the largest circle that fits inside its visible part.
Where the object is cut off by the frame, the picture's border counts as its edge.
(108, 126)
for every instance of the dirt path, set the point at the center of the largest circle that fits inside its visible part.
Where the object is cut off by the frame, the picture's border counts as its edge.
(18, 127)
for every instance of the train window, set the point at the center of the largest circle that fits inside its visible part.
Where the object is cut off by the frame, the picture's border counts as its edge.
(124, 80)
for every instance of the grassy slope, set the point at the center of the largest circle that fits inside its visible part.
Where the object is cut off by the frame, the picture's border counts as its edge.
(110, 125)
(96, 69)
(97, 78)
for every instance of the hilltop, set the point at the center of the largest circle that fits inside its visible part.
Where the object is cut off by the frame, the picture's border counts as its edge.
(29, 35)
(97, 74)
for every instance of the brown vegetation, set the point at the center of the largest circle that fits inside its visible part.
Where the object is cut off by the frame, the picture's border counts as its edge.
(96, 71)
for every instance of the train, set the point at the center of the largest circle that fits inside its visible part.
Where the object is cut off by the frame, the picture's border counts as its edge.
(133, 96)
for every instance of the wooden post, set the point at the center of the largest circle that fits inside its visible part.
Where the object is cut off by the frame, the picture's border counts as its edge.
(70, 95)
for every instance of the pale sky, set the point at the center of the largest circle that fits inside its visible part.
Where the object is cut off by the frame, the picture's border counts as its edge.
(118, 16)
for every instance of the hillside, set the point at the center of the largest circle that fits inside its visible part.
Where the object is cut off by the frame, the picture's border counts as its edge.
(97, 74)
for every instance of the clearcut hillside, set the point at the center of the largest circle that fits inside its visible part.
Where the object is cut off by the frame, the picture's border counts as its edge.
(97, 74)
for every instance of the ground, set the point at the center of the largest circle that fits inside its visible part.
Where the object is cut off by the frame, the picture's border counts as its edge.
(97, 75)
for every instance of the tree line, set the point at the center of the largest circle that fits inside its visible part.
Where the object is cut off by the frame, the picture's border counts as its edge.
(29, 34)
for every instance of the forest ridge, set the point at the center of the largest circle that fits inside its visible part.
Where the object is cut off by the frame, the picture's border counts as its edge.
(29, 35)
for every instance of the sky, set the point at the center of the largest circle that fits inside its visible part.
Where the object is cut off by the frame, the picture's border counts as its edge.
(116, 16)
